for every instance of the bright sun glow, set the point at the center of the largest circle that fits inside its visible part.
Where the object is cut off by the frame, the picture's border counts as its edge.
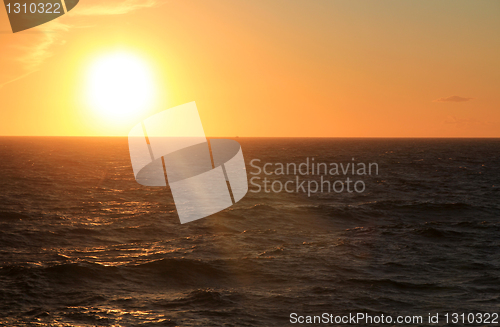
(120, 86)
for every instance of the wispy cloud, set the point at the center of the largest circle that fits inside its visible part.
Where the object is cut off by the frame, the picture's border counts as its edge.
(115, 7)
(470, 123)
(453, 120)
(16, 78)
(34, 50)
(35, 54)
(470, 126)
(454, 98)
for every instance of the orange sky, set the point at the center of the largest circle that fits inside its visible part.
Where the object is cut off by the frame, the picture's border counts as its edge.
(320, 68)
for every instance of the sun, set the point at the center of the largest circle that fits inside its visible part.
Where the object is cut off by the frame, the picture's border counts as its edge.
(120, 86)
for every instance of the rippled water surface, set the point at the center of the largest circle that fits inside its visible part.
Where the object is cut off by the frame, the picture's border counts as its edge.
(82, 244)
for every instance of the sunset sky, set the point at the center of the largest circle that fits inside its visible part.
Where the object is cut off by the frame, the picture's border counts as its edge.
(322, 68)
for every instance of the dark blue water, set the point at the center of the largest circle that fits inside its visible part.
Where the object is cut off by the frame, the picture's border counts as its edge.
(82, 244)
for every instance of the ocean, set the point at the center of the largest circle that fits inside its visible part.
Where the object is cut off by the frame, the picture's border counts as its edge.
(83, 244)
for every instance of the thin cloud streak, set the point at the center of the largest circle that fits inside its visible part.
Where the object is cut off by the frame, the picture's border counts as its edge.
(116, 8)
(17, 78)
(39, 52)
(470, 123)
(454, 98)
(52, 32)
